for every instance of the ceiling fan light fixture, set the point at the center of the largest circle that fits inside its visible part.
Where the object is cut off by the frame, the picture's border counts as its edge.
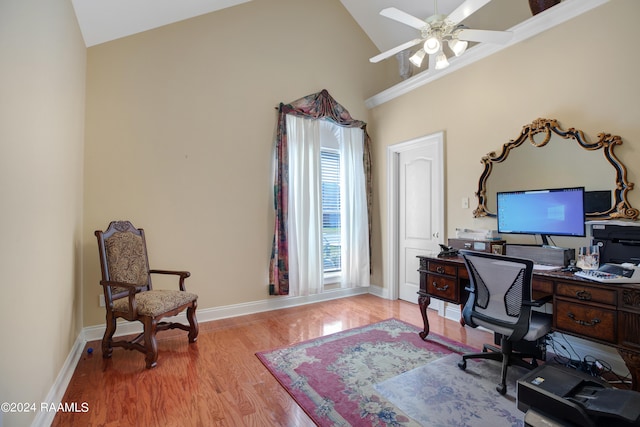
(437, 29)
(432, 45)
(441, 61)
(416, 58)
(458, 46)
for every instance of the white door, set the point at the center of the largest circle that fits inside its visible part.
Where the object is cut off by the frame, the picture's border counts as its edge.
(420, 208)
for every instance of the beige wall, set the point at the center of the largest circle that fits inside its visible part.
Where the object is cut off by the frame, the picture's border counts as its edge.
(180, 127)
(572, 73)
(42, 83)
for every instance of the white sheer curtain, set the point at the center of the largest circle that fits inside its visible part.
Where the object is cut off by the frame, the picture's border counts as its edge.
(354, 216)
(305, 207)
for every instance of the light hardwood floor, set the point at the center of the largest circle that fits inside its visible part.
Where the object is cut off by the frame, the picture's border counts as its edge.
(219, 381)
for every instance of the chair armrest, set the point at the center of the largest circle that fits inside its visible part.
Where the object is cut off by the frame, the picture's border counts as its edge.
(133, 289)
(113, 283)
(538, 302)
(183, 275)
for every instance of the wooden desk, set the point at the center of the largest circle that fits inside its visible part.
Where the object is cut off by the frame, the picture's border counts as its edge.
(604, 313)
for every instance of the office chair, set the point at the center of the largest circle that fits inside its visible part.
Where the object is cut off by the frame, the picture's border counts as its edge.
(129, 294)
(500, 300)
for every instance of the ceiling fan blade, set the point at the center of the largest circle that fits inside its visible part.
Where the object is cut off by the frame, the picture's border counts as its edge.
(465, 9)
(486, 36)
(403, 17)
(391, 52)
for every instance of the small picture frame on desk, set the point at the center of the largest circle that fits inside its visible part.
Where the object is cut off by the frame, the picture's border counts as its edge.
(497, 249)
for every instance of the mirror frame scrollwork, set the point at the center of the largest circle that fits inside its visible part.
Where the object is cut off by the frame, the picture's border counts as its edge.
(620, 209)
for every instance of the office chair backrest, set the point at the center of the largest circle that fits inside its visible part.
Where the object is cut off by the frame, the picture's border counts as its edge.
(500, 288)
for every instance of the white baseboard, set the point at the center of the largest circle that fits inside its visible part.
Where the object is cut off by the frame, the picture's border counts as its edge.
(380, 292)
(56, 393)
(453, 312)
(92, 333)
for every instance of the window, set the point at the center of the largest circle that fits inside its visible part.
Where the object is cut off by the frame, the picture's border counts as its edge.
(297, 265)
(331, 233)
(327, 223)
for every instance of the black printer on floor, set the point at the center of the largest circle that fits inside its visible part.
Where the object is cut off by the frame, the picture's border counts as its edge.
(554, 395)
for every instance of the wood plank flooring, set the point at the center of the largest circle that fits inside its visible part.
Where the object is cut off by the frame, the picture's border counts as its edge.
(219, 381)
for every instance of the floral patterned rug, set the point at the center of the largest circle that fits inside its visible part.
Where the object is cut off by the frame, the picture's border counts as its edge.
(364, 377)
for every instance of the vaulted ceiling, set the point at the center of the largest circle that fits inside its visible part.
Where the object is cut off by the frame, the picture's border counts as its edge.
(105, 20)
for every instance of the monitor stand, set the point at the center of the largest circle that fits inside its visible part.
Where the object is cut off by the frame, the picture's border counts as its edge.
(546, 244)
(545, 240)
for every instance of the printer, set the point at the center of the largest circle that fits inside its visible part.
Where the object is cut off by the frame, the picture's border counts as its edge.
(555, 395)
(618, 243)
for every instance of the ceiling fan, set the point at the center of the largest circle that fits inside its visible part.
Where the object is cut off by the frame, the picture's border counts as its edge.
(437, 29)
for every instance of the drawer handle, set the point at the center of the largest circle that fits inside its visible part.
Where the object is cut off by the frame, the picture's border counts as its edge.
(593, 322)
(439, 269)
(583, 295)
(444, 288)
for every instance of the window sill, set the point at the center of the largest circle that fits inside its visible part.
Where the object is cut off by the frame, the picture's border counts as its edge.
(332, 278)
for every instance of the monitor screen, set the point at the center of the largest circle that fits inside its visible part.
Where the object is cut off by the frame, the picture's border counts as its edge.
(551, 212)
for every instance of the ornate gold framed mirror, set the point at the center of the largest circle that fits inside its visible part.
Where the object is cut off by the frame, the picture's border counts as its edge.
(558, 158)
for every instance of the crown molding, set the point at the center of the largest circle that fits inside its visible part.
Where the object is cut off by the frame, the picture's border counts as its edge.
(543, 21)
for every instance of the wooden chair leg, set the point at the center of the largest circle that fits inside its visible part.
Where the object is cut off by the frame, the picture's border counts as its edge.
(193, 322)
(107, 339)
(150, 343)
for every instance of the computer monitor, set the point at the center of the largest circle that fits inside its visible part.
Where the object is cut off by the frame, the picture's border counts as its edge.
(548, 212)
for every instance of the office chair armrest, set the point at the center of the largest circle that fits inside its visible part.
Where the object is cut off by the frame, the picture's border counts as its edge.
(538, 302)
(183, 275)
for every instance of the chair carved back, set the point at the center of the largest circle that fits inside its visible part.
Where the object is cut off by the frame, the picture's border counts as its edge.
(124, 257)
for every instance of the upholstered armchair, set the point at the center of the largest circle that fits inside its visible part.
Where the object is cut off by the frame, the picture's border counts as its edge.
(129, 294)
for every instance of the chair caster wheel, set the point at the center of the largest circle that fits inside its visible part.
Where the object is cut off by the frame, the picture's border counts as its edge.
(462, 365)
(502, 388)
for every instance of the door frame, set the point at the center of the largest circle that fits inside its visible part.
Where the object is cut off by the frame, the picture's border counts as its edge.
(393, 181)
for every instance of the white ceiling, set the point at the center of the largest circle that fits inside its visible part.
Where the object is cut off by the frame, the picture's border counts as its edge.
(105, 20)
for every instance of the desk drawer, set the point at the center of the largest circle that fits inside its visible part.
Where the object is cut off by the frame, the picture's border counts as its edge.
(442, 287)
(586, 320)
(587, 293)
(442, 268)
(543, 286)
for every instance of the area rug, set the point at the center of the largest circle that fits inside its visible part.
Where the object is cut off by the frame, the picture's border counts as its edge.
(441, 394)
(347, 379)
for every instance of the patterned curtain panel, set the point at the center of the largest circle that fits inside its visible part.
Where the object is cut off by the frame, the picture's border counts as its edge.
(316, 106)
